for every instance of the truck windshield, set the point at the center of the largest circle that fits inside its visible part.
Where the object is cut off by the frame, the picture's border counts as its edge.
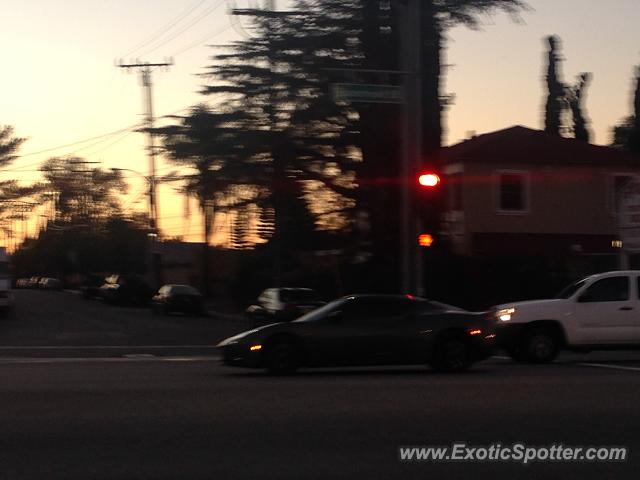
(568, 292)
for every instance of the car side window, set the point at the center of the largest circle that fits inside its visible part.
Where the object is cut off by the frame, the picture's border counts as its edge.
(366, 310)
(612, 289)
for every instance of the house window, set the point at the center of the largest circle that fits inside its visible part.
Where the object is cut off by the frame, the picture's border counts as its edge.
(512, 192)
(618, 184)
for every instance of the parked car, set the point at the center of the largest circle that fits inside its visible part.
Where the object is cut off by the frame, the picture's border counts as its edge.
(367, 330)
(126, 289)
(91, 286)
(598, 312)
(7, 301)
(284, 304)
(22, 283)
(34, 282)
(178, 298)
(48, 283)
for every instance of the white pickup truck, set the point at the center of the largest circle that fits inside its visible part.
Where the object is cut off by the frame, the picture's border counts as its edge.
(598, 312)
(6, 295)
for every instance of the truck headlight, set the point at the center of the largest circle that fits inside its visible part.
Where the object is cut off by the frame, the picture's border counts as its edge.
(505, 314)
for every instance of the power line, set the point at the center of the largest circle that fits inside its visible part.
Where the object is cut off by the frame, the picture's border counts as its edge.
(195, 21)
(165, 28)
(128, 129)
(109, 134)
(106, 147)
(201, 41)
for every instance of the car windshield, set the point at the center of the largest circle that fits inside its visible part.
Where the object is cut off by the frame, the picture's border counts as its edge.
(322, 312)
(301, 295)
(568, 291)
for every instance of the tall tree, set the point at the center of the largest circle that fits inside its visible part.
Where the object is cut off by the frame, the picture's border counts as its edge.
(575, 97)
(279, 77)
(14, 198)
(225, 175)
(9, 145)
(555, 103)
(626, 135)
(438, 16)
(81, 194)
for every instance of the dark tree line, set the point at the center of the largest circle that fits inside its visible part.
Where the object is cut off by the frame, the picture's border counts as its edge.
(280, 156)
(85, 229)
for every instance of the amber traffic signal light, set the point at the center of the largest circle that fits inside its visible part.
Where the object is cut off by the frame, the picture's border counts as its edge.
(425, 239)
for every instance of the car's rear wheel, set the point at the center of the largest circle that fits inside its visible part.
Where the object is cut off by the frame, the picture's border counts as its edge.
(451, 355)
(282, 358)
(540, 345)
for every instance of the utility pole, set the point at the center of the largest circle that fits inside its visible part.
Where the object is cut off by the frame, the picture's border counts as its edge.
(146, 70)
(270, 5)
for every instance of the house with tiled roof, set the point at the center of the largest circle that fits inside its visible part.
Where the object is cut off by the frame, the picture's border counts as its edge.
(523, 192)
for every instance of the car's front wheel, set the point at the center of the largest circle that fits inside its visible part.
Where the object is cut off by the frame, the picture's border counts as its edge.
(515, 352)
(540, 345)
(282, 358)
(451, 355)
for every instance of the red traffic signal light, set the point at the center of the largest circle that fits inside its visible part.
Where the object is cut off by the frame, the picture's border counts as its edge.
(429, 180)
(425, 240)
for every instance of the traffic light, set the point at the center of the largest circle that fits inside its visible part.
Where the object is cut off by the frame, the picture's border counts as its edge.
(427, 204)
(429, 180)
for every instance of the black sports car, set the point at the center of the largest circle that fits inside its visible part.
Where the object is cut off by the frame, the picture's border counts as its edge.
(367, 330)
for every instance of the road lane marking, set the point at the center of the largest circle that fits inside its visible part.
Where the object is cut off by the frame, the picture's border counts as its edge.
(125, 359)
(612, 367)
(104, 347)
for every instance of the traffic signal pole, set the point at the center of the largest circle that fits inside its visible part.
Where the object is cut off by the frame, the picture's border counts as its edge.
(411, 256)
(410, 96)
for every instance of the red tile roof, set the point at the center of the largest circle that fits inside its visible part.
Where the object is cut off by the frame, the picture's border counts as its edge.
(522, 145)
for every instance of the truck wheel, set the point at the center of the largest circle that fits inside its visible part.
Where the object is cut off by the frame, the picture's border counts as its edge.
(540, 345)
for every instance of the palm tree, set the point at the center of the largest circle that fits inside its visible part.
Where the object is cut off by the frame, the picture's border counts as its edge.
(437, 17)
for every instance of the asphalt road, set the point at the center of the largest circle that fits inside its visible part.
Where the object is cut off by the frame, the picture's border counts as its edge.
(189, 418)
(171, 414)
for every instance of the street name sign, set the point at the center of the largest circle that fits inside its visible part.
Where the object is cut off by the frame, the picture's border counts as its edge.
(367, 93)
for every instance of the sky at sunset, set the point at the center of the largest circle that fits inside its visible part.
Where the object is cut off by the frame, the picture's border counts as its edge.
(60, 84)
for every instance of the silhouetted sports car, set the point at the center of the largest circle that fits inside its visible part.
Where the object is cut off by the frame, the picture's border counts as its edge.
(367, 330)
